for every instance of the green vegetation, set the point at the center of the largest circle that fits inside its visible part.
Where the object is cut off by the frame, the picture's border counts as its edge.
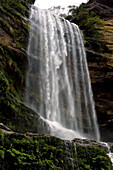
(14, 15)
(14, 113)
(90, 23)
(18, 151)
(16, 6)
(14, 27)
(92, 158)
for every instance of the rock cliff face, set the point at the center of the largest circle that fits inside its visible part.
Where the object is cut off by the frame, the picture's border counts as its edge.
(102, 8)
(104, 2)
(14, 30)
(101, 69)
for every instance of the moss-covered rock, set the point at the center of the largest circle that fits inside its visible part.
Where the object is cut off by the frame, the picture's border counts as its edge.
(19, 151)
(14, 27)
(15, 114)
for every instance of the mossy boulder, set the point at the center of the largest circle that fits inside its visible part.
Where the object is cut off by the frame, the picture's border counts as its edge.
(18, 151)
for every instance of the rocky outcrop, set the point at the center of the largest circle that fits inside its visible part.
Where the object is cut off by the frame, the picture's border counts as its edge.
(101, 70)
(30, 151)
(100, 9)
(104, 2)
(14, 30)
(13, 41)
(102, 81)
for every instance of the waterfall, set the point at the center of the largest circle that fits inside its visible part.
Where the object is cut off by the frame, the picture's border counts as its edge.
(58, 85)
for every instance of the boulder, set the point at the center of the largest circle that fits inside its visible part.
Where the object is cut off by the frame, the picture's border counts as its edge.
(31, 151)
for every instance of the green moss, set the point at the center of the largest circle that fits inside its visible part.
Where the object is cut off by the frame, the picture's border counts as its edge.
(41, 152)
(12, 112)
(4, 85)
(92, 158)
(24, 153)
(15, 6)
(14, 15)
(2, 154)
(13, 58)
(5, 26)
(13, 69)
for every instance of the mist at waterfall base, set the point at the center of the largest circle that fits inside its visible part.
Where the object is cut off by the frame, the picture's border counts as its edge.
(58, 85)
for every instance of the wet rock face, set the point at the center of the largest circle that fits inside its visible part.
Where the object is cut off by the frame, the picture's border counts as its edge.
(107, 131)
(101, 67)
(101, 72)
(102, 83)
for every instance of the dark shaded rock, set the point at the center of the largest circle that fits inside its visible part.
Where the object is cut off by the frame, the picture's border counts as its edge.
(87, 142)
(3, 127)
(104, 2)
(107, 131)
(98, 67)
(102, 83)
(101, 72)
(102, 8)
(31, 1)
(29, 121)
(111, 146)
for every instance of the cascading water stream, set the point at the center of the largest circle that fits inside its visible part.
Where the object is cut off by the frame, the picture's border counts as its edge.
(110, 154)
(58, 85)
